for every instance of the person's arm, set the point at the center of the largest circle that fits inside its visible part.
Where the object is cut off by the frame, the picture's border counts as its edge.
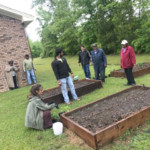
(104, 58)
(44, 106)
(132, 56)
(69, 70)
(92, 58)
(55, 69)
(89, 55)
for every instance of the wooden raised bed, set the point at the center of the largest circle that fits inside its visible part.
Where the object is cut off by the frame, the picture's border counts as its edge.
(82, 87)
(104, 131)
(137, 71)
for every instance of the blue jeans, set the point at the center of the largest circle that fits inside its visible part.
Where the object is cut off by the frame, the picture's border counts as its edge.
(99, 69)
(64, 82)
(30, 74)
(86, 71)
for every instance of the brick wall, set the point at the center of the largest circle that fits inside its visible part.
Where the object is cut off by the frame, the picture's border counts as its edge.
(13, 46)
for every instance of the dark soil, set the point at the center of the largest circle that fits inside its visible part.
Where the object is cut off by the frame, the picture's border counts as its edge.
(56, 91)
(110, 110)
(137, 67)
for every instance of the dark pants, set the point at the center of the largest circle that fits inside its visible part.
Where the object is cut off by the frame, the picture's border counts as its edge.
(99, 69)
(129, 76)
(47, 119)
(15, 81)
(86, 71)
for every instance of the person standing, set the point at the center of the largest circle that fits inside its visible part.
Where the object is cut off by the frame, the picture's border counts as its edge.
(61, 70)
(11, 75)
(84, 59)
(99, 61)
(28, 67)
(128, 61)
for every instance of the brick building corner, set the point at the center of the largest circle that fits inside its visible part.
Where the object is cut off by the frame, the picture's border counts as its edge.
(13, 43)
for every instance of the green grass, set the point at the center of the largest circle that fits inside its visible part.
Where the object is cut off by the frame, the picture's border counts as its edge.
(14, 135)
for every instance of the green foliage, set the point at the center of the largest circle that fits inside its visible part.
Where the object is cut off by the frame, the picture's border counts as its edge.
(36, 48)
(70, 23)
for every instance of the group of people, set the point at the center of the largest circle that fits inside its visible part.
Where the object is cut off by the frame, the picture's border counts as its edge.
(38, 113)
(11, 73)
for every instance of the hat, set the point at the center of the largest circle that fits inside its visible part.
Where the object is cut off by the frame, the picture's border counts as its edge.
(124, 42)
(94, 45)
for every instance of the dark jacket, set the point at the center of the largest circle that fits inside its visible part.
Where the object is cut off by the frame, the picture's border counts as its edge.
(61, 69)
(99, 58)
(84, 57)
(128, 58)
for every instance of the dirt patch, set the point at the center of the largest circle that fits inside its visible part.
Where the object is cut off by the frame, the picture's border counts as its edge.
(75, 140)
(110, 110)
(137, 67)
(57, 91)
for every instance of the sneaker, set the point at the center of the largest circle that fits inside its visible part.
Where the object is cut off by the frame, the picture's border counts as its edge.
(87, 78)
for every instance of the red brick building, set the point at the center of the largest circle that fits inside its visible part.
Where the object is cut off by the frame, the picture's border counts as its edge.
(13, 43)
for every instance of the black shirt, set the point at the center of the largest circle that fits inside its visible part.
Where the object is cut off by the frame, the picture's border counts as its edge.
(61, 68)
(84, 57)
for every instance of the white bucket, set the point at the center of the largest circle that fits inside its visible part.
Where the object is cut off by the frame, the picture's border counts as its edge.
(58, 128)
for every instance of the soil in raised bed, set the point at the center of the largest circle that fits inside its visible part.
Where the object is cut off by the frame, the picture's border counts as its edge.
(56, 91)
(110, 110)
(137, 67)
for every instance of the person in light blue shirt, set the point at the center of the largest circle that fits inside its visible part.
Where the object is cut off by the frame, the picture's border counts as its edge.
(99, 62)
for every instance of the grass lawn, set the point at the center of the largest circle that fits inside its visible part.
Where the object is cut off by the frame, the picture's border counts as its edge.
(14, 135)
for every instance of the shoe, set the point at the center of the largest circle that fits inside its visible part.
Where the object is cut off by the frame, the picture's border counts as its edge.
(133, 84)
(127, 84)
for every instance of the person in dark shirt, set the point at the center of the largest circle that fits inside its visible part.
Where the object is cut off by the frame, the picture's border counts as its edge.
(84, 59)
(61, 70)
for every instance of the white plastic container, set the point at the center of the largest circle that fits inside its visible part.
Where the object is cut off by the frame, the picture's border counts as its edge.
(58, 128)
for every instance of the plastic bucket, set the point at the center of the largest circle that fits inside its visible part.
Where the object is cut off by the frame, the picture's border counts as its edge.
(58, 128)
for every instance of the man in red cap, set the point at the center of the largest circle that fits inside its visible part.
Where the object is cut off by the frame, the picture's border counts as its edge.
(128, 61)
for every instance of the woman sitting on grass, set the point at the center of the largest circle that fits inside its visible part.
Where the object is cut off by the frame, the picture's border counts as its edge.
(38, 113)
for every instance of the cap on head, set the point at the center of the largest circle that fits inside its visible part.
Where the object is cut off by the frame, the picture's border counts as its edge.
(124, 42)
(94, 45)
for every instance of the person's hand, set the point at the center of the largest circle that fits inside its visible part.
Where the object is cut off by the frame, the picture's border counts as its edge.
(79, 64)
(105, 65)
(59, 83)
(72, 75)
(92, 63)
(52, 102)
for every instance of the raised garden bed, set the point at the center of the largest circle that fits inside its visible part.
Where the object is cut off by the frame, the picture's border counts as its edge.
(138, 70)
(82, 87)
(101, 122)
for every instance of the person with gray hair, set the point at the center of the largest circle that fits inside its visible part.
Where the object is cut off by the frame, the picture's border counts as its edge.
(128, 61)
(99, 61)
